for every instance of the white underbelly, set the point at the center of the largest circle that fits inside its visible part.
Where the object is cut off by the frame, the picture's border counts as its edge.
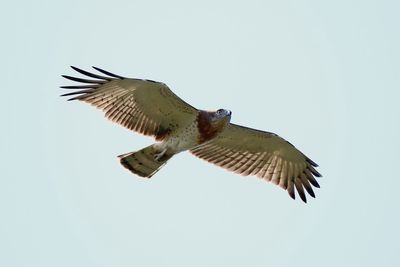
(181, 141)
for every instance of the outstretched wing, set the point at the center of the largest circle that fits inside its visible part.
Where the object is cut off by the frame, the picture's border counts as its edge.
(145, 106)
(252, 152)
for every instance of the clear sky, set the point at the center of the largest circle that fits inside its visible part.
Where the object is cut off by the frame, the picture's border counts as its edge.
(325, 75)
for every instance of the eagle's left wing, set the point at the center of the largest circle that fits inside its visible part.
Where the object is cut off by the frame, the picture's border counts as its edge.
(144, 106)
(252, 152)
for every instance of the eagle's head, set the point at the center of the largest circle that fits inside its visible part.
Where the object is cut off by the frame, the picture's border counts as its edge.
(223, 114)
(211, 123)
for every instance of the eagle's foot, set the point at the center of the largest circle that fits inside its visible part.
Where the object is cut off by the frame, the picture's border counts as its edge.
(158, 156)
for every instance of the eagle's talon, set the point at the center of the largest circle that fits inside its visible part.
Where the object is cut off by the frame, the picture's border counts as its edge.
(158, 156)
(151, 108)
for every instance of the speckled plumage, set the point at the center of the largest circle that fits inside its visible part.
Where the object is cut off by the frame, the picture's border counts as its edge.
(151, 108)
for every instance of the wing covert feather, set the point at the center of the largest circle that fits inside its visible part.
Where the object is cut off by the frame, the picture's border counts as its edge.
(145, 106)
(253, 152)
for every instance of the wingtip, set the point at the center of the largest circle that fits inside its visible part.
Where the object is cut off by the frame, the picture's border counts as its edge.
(302, 197)
(108, 73)
(314, 183)
(74, 68)
(309, 190)
(69, 99)
(312, 162)
(316, 173)
(313, 171)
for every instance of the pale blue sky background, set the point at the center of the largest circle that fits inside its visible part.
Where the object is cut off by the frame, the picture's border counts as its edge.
(323, 74)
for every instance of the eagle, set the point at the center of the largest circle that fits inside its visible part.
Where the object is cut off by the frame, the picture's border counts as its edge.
(151, 108)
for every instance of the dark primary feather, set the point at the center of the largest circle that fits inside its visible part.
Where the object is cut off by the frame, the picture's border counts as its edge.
(111, 93)
(100, 79)
(108, 73)
(77, 86)
(144, 106)
(311, 162)
(314, 171)
(93, 84)
(78, 93)
(249, 151)
(84, 72)
(75, 79)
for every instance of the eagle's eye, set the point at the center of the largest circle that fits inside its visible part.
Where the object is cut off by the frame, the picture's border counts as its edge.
(220, 111)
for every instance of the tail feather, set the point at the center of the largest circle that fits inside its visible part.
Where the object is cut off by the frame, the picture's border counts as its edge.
(143, 162)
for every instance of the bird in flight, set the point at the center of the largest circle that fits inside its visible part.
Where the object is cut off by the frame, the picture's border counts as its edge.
(151, 108)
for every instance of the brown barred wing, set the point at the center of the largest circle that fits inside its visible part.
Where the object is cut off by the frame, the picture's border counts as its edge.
(144, 106)
(266, 155)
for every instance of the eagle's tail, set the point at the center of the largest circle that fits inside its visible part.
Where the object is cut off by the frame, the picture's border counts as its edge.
(145, 162)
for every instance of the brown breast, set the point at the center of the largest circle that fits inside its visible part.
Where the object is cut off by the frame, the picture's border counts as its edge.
(207, 127)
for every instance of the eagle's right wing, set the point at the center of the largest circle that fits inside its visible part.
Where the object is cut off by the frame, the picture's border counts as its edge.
(253, 152)
(145, 106)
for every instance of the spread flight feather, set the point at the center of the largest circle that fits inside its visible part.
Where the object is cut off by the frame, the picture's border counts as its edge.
(151, 108)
